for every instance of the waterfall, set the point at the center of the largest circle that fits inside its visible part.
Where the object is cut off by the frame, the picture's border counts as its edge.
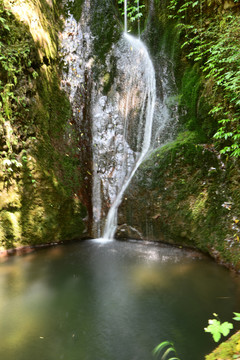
(116, 127)
(138, 19)
(145, 130)
(125, 16)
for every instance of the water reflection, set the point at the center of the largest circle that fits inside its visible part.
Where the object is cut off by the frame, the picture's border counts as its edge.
(111, 301)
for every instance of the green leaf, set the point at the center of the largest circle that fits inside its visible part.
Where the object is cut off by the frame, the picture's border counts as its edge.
(6, 27)
(226, 327)
(170, 349)
(216, 336)
(237, 316)
(194, 4)
(214, 328)
(161, 346)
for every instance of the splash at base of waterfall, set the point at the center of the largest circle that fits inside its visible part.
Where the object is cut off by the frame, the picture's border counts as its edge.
(101, 240)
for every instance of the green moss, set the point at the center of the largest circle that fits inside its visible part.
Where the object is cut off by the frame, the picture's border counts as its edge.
(75, 8)
(190, 88)
(229, 349)
(11, 231)
(53, 213)
(198, 208)
(104, 27)
(108, 78)
(185, 145)
(183, 189)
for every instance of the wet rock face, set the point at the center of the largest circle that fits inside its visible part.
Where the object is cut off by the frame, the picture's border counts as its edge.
(77, 81)
(140, 210)
(126, 231)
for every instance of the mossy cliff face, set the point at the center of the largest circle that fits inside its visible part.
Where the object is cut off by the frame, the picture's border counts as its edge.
(40, 180)
(186, 194)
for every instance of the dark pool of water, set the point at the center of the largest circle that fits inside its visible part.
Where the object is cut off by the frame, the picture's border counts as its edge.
(113, 301)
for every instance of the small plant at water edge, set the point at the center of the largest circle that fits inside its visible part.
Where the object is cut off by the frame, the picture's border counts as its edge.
(217, 329)
(164, 349)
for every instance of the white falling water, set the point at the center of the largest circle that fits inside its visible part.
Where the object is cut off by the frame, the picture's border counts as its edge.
(125, 16)
(144, 128)
(138, 19)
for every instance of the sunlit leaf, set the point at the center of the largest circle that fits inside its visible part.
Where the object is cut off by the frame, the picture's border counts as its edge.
(237, 316)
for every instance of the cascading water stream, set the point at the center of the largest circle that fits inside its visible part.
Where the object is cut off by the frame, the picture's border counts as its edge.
(138, 19)
(147, 110)
(125, 16)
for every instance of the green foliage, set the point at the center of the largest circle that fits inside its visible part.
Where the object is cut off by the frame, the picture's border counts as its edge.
(134, 10)
(75, 8)
(216, 328)
(190, 88)
(237, 316)
(105, 32)
(16, 74)
(15, 48)
(210, 39)
(164, 349)
(3, 20)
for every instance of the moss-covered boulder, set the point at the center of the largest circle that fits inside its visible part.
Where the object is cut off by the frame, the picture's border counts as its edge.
(185, 194)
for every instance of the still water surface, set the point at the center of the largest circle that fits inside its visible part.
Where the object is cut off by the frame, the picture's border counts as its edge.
(113, 301)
